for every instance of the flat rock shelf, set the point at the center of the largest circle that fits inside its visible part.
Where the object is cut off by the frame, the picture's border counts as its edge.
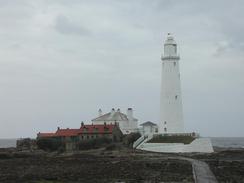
(225, 165)
(114, 167)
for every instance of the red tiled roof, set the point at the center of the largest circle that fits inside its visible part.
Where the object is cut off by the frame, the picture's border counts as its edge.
(87, 129)
(96, 129)
(46, 134)
(66, 132)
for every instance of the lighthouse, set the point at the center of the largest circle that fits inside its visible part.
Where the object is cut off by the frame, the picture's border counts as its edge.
(171, 113)
(170, 128)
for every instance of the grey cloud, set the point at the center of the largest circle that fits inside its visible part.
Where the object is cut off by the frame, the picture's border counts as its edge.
(50, 79)
(222, 47)
(229, 47)
(65, 26)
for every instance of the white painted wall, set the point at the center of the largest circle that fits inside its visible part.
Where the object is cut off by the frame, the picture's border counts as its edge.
(149, 130)
(171, 113)
(202, 145)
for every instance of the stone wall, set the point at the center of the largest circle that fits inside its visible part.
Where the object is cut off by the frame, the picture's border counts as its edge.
(26, 144)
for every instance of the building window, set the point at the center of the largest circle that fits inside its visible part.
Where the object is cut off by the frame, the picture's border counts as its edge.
(174, 63)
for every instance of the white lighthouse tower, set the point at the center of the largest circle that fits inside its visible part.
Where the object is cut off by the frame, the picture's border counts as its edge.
(171, 113)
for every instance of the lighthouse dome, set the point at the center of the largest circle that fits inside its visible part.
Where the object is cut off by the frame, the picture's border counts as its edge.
(170, 48)
(170, 39)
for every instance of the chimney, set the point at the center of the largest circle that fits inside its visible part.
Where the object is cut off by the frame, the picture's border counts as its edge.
(58, 128)
(130, 113)
(100, 113)
(82, 124)
(112, 111)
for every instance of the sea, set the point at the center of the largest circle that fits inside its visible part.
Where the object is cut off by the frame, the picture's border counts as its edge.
(4, 143)
(228, 142)
(223, 142)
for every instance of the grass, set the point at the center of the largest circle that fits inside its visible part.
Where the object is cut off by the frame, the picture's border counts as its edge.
(172, 139)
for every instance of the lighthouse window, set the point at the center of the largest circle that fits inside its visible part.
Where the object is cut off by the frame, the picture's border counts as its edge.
(175, 48)
(176, 96)
(165, 122)
(165, 129)
(174, 63)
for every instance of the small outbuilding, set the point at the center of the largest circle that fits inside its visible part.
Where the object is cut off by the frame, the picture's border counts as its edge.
(149, 128)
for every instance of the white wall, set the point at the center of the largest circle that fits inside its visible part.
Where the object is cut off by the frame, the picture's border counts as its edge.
(149, 130)
(171, 103)
(203, 145)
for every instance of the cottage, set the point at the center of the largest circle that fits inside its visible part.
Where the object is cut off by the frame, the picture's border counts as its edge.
(71, 137)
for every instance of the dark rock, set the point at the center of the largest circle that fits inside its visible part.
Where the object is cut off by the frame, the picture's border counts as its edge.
(87, 167)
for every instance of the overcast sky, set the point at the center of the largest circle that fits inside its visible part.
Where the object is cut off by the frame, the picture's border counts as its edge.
(62, 60)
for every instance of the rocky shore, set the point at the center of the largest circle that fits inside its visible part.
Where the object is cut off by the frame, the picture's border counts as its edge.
(114, 166)
(91, 166)
(226, 164)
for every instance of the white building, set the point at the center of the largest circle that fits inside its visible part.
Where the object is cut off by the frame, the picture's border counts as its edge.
(149, 128)
(127, 122)
(171, 114)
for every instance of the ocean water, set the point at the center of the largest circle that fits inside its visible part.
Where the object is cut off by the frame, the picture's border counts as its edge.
(7, 143)
(227, 142)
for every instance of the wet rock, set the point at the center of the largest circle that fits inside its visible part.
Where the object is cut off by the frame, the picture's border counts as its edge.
(85, 167)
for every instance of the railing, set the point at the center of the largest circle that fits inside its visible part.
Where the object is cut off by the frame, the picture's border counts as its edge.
(193, 134)
(169, 57)
(138, 141)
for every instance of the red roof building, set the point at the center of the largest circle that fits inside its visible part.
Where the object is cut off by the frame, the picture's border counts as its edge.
(72, 138)
(83, 130)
